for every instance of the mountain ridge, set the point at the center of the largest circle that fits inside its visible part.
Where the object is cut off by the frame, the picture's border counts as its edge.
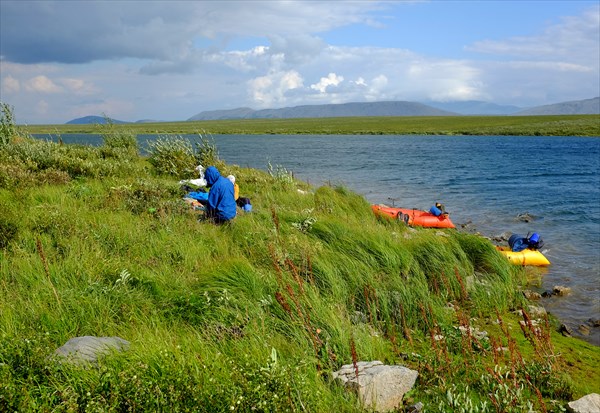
(383, 108)
(574, 107)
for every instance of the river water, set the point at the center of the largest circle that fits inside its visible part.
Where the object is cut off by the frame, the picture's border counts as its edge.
(484, 181)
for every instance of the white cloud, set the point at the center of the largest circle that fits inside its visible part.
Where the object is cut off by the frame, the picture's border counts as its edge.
(271, 89)
(575, 38)
(10, 84)
(331, 80)
(78, 86)
(360, 81)
(42, 84)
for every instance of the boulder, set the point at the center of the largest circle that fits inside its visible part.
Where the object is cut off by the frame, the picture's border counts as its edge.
(561, 291)
(88, 349)
(587, 404)
(379, 387)
(531, 295)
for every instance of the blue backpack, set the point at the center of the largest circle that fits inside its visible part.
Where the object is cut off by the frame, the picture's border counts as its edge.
(519, 242)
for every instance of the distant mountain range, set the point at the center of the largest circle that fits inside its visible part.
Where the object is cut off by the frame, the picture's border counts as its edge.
(576, 107)
(475, 107)
(398, 108)
(394, 108)
(99, 120)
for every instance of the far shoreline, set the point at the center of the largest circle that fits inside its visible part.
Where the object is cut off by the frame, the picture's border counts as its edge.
(548, 125)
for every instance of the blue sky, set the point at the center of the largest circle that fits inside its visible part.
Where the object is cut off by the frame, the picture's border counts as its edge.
(169, 60)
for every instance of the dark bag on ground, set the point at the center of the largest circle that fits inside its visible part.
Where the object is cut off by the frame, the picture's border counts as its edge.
(244, 203)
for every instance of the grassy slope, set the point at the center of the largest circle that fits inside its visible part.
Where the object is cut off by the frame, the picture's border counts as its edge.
(253, 315)
(564, 125)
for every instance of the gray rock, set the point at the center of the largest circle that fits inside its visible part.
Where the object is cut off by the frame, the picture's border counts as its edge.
(415, 408)
(536, 311)
(583, 329)
(561, 291)
(566, 331)
(526, 217)
(531, 295)
(379, 387)
(587, 404)
(88, 349)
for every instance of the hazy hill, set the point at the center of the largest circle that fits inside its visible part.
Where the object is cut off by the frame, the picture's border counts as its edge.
(475, 107)
(576, 107)
(391, 108)
(101, 120)
(398, 108)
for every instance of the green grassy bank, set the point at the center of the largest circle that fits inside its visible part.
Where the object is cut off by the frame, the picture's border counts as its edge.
(563, 125)
(256, 314)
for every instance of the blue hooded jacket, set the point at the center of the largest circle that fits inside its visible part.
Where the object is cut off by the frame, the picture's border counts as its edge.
(221, 203)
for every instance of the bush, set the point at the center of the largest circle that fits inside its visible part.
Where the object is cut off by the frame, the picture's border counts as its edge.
(117, 138)
(172, 155)
(7, 124)
(206, 152)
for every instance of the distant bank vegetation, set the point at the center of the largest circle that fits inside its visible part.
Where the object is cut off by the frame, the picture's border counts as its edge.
(551, 125)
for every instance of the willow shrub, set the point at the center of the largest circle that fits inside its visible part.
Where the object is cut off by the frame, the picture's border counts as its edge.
(118, 142)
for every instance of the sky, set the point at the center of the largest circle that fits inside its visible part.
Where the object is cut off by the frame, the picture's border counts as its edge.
(170, 60)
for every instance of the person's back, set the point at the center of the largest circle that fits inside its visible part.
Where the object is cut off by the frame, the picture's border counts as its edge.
(221, 204)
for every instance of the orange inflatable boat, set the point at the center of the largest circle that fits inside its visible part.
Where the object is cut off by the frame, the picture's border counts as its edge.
(413, 217)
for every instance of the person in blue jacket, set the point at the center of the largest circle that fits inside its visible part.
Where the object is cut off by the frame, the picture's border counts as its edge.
(220, 206)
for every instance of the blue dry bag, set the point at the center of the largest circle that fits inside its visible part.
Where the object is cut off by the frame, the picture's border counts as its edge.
(435, 211)
(535, 241)
(517, 242)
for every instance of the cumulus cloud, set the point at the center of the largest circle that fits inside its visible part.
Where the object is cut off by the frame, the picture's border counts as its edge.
(10, 84)
(78, 86)
(42, 84)
(331, 80)
(271, 89)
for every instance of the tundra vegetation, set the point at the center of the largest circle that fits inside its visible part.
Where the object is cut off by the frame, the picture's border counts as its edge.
(551, 125)
(257, 314)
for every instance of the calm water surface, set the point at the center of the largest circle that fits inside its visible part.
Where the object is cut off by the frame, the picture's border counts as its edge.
(485, 181)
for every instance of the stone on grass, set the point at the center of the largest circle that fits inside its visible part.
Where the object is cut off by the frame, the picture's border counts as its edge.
(87, 349)
(379, 387)
(587, 404)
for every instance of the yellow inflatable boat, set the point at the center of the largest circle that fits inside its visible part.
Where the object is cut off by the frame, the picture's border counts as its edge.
(525, 257)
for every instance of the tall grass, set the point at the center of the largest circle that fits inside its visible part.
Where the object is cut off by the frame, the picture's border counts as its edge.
(254, 315)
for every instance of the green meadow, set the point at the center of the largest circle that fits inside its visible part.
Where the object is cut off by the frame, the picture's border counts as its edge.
(563, 125)
(255, 315)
